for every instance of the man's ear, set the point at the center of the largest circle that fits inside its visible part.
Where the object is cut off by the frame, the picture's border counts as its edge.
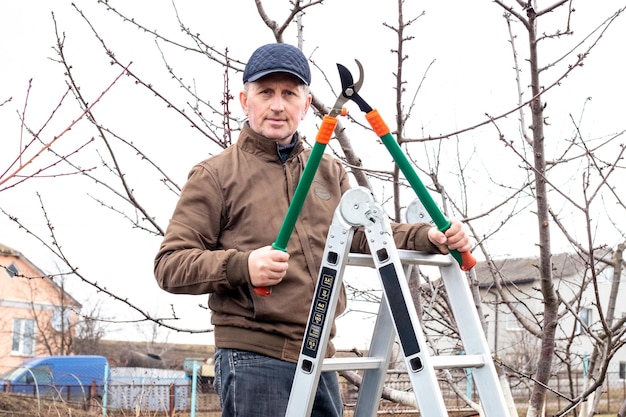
(243, 99)
(306, 106)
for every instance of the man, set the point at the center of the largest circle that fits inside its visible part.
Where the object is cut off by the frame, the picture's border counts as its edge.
(220, 235)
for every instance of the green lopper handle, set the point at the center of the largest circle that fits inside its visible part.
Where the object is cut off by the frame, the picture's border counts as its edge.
(302, 189)
(465, 259)
(295, 207)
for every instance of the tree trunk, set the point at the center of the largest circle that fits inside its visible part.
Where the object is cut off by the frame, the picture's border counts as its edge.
(551, 303)
(618, 267)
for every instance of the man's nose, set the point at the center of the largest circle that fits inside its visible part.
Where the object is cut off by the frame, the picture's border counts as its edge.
(277, 103)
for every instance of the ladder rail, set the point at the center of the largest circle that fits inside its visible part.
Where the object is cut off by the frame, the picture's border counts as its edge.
(321, 317)
(474, 341)
(416, 353)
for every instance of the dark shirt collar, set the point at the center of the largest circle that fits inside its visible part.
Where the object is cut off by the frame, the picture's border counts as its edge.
(285, 150)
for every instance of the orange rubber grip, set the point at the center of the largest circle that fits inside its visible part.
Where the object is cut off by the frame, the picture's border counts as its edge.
(467, 261)
(326, 130)
(377, 123)
(263, 291)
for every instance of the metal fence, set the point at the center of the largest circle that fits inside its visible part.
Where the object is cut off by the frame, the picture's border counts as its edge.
(561, 392)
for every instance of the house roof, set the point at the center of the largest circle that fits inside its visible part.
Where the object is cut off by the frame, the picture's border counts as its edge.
(516, 271)
(10, 252)
(151, 355)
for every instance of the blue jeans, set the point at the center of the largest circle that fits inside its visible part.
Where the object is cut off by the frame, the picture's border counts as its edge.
(250, 384)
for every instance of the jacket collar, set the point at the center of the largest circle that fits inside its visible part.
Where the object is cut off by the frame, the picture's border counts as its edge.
(256, 144)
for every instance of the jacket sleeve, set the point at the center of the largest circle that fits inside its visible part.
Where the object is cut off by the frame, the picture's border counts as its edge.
(188, 260)
(406, 236)
(413, 237)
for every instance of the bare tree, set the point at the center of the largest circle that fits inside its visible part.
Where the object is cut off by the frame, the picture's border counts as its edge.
(528, 14)
(90, 330)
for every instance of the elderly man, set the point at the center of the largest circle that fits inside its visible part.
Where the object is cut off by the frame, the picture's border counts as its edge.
(219, 240)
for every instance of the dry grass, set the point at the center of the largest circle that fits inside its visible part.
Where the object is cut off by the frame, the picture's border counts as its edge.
(27, 406)
(21, 406)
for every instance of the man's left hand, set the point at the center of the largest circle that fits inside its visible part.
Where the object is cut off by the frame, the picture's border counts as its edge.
(453, 238)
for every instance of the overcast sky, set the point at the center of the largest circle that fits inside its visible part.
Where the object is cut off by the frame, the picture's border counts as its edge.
(462, 47)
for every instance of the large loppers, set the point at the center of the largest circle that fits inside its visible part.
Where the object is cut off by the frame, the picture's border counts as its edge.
(350, 92)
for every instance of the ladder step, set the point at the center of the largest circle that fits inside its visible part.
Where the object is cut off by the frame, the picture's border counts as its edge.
(343, 364)
(408, 257)
(458, 361)
(438, 362)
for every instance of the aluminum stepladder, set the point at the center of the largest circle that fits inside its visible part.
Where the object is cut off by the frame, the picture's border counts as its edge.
(396, 317)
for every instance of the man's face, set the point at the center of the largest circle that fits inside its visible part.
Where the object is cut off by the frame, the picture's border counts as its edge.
(275, 105)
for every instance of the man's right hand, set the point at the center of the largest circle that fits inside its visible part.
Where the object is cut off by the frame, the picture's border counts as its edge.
(267, 266)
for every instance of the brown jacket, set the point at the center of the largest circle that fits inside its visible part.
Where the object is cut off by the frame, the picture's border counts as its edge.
(235, 202)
